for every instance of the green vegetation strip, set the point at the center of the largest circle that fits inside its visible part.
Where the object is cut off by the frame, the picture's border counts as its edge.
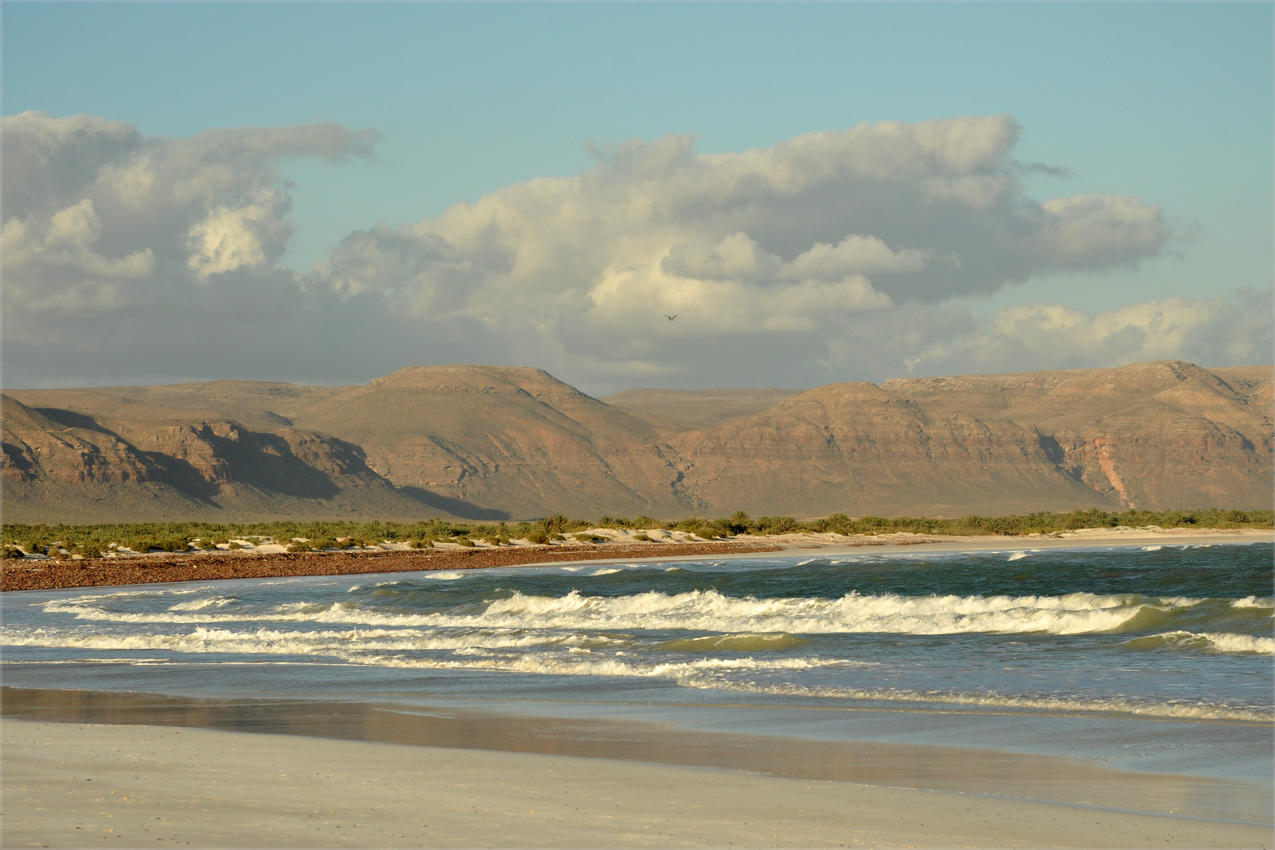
(97, 540)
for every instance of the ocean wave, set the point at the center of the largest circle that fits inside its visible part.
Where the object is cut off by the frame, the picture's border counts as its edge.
(205, 603)
(707, 611)
(325, 642)
(1205, 642)
(699, 673)
(748, 642)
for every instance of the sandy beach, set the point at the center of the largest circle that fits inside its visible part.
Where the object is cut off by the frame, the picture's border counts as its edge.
(83, 785)
(136, 769)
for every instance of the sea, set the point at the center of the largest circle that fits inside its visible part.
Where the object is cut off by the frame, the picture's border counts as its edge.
(1153, 658)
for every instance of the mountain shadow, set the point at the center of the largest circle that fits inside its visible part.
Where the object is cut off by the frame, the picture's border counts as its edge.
(456, 507)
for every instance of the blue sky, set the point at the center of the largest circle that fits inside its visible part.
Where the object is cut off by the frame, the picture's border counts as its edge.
(1170, 104)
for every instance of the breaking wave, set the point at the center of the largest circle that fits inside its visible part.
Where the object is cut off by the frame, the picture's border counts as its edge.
(711, 611)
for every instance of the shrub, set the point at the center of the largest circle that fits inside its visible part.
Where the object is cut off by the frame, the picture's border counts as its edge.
(776, 525)
(706, 531)
(555, 524)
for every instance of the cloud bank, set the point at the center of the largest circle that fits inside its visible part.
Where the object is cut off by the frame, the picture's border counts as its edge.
(831, 256)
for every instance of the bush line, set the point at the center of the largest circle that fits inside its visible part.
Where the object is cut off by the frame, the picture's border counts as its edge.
(97, 540)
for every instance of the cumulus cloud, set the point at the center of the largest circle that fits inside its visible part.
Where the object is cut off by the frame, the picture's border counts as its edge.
(109, 231)
(229, 238)
(802, 238)
(829, 256)
(922, 212)
(1214, 331)
(87, 199)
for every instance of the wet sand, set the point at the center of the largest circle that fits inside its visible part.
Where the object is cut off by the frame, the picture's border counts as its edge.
(84, 785)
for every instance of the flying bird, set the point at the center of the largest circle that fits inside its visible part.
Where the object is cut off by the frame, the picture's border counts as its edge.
(670, 318)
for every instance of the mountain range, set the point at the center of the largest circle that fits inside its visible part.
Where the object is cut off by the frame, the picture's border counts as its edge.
(487, 442)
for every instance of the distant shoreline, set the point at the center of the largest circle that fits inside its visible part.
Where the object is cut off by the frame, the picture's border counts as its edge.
(17, 574)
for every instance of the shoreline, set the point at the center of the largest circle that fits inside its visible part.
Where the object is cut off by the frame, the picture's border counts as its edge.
(50, 574)
(134, 768)
(952, 766)
(81, 785)
(57, 574)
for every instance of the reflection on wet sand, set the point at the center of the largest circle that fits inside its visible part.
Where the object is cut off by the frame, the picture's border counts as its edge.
(943, 768)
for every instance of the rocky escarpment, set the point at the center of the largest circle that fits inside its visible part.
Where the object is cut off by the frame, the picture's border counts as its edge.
(871, 451)
(501, 442)
(1151, 435)
(93, 471)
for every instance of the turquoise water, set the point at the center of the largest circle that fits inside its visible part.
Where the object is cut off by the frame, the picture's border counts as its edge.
(1151, 657)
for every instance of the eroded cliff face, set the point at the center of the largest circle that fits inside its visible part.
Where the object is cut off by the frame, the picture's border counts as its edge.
(120, 470)
(874, 452)
(38, 448)
(503, 442)
(1151, 435)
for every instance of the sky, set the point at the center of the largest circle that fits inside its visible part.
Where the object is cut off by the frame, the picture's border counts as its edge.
(328, 192)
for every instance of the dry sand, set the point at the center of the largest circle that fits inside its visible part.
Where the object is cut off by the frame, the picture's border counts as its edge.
(1122, 536)
(80, 785)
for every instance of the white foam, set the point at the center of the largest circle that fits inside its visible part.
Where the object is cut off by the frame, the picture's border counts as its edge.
(705, 611)
(1017, 556)
(344, 642)
(710, 611)
(1240, 643)
(1068, 705)
(201, 604)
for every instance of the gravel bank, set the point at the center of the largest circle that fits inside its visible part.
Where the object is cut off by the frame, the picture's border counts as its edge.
(49, 574)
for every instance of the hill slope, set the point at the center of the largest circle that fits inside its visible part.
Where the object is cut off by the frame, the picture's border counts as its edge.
(505, 442)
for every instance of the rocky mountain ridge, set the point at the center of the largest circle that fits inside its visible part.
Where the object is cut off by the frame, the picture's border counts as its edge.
(485, 442)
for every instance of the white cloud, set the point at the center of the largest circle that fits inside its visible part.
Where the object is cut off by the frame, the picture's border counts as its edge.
(864, 218)
(93, 207)
(734, 257)
(853, 255)
(831, 255)
(1215, 331)
(231, 238)
(1096, 231)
